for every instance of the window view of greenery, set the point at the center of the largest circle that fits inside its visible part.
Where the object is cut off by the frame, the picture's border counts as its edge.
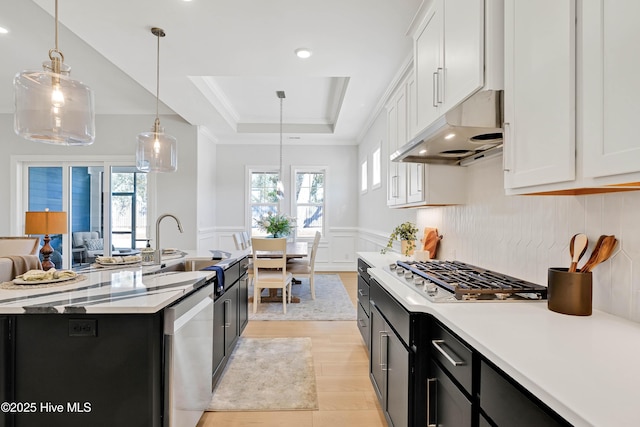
(309, 199)
(263, 198)
(128, 208)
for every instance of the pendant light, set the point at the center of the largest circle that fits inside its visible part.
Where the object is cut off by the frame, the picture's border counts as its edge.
(280, 185)
(157, 151)
(51, 107)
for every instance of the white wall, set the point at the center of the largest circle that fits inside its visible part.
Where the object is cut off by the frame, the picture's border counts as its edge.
(338, 244)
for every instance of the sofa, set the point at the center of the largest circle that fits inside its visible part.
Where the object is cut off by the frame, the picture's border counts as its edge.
(17, 256)
(90, 245)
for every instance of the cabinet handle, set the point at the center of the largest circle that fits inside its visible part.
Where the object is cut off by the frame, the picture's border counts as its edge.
(431, 382)
(362, 294)
(383, 366)
(436, 344)
(362, 323)
(435, 89)
(440, 91)
(394, 186)
(227, 324)
(506, 140)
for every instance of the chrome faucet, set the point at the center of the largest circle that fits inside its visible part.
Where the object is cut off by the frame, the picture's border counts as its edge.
(160, 218)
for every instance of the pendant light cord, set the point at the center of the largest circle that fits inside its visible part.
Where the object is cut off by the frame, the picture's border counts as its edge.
(55, 49)
(280, 139)
(158, 79)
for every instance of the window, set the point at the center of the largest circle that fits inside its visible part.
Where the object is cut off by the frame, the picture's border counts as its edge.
(309, 202)
(263, 197)
(128, 208)
(363, 177)
(82, 190)
(376, 174)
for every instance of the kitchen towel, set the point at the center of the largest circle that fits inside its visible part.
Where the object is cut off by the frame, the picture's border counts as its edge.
(430, 241)
(219, 277)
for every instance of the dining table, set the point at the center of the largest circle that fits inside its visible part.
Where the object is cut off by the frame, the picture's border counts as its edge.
(293, 250)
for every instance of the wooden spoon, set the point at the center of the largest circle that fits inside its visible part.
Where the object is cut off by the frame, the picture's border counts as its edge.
(606, 249)
(594, 254)
(577, 248)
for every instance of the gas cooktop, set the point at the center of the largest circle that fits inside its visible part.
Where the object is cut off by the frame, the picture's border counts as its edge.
(451, 281)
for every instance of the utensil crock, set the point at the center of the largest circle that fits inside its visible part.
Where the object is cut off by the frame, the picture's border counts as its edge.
(569, 293)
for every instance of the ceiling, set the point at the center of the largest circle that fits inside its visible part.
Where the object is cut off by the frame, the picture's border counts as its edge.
(222, 61)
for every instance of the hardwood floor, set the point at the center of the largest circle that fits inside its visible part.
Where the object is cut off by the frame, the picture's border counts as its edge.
(345, 394)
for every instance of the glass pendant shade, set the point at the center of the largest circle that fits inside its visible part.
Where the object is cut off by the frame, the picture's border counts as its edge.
(157, 151)
(51, 107)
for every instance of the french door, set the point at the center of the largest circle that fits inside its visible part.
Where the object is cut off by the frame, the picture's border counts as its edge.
(106, 204)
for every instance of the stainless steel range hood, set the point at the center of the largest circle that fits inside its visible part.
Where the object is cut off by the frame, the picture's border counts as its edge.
(468, 132)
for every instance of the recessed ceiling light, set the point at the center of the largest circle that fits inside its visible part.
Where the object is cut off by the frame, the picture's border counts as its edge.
(303, 52)
(449, 136)
(422, 152)
(3, 30)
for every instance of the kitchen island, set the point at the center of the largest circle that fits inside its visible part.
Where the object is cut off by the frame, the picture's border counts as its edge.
(582, 368)
(105, 350)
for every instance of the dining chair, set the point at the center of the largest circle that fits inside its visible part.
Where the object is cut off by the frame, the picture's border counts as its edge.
(237, 239)
(271, 272)
(306, 268)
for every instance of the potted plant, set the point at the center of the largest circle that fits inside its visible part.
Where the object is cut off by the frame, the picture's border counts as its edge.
(275, 224)
(406, 233)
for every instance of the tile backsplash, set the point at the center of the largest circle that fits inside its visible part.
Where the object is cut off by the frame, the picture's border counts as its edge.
(525, 235)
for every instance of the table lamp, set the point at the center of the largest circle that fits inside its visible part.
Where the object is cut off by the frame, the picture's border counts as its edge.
(46, 223)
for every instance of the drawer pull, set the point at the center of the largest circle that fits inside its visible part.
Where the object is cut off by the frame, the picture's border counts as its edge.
(436, 344)
(362, 323)
(384, 350)
(362, 294)
(431, 382)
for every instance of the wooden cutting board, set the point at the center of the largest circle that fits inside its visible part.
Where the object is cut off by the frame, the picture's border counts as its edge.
(430, 241)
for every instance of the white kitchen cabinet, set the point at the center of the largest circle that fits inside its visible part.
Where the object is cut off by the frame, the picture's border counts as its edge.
(610, 88)
(569, 107)
(539, 95)
(397, 125)
(448, 56)
(416, 184)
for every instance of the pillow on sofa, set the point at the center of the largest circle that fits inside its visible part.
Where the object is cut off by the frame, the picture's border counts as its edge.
(94, 244)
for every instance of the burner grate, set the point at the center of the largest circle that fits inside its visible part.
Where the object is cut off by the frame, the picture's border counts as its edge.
(466, 281)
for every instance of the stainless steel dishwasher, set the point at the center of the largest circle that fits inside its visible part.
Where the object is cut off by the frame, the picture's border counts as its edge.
(188, 330)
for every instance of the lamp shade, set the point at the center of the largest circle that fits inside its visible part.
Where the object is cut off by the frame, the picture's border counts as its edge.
(52, 108)
(45, 222)
(157, 151)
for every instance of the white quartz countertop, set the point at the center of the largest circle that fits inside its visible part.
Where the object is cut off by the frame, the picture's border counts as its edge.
(125, 289)
(586, 368)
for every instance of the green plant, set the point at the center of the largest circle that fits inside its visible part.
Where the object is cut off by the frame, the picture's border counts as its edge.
(277, 225)
(405, 231)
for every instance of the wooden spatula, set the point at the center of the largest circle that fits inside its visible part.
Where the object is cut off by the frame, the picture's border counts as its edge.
(604, 252)
(577, 248)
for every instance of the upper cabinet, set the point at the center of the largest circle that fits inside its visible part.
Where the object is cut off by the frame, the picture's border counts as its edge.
(610, 87)
(416, 184)
(397, 130)
(449, 55)
(569, 108)
(539, 93)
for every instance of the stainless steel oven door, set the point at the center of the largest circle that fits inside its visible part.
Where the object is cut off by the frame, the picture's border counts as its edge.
(188, 330)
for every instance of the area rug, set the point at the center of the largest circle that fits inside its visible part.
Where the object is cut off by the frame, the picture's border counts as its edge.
(267, 374)
(332, 302)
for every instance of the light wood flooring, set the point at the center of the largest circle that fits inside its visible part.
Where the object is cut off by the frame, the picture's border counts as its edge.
(345, 395)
